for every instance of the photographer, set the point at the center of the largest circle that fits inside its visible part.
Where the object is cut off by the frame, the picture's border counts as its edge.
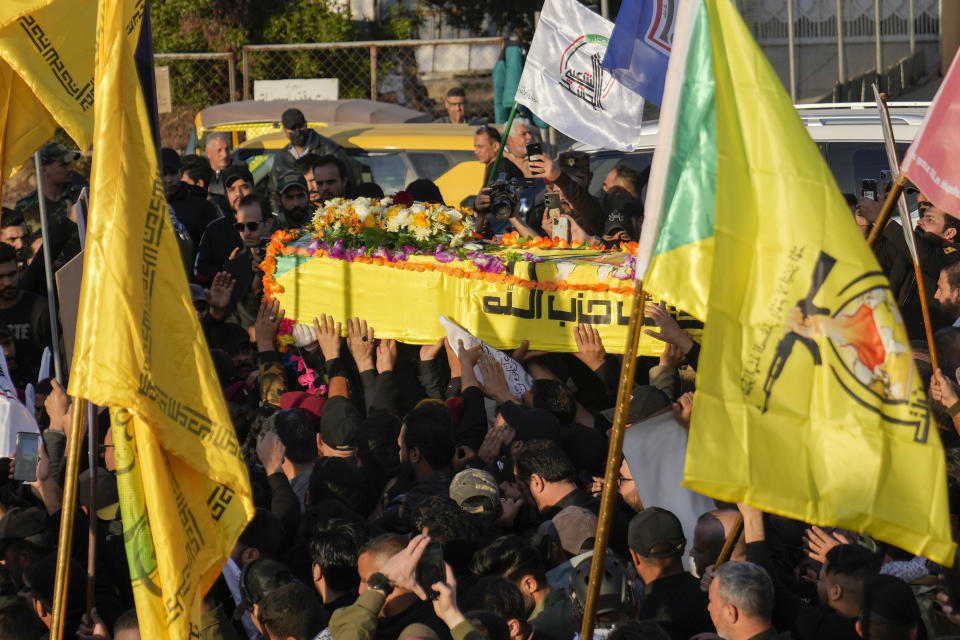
(571, 184)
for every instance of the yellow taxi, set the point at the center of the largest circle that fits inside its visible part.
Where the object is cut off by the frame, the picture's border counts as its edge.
(392, 155)
(248, 119)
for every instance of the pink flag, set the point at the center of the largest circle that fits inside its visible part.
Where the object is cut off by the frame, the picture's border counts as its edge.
(932, 162)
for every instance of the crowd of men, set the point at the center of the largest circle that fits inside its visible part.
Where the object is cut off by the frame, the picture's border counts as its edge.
(397, 496)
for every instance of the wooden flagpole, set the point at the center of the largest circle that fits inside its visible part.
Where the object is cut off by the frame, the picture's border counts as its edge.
(614, 459)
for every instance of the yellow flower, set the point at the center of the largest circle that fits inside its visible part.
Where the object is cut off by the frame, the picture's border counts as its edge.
(457, 228)
(421, 220)
(443, 218)
(369, 222)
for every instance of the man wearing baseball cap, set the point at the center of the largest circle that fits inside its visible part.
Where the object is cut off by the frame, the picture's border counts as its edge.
(671, 596)
(293, 200)
(61, 187)
(303, 141)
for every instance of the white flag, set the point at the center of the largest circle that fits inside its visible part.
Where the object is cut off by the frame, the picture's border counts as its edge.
(564, 84)
(656, 451)
(14, 417)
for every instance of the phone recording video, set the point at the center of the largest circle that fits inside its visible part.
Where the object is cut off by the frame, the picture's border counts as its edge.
(430, 569)
(27, 455)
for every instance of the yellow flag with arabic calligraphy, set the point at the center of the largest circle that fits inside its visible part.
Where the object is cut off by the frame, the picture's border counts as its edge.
(47, 57)
(184, 488)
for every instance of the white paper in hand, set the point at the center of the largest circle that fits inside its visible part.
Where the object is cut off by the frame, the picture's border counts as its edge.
(14, 417)
(517, 377)
(45, 361)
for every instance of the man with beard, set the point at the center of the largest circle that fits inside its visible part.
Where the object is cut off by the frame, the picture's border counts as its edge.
(292, 198)
(220, 244)
(426, 449)
(24, 315)
(936, 237)
(948, 292)
(303, 141)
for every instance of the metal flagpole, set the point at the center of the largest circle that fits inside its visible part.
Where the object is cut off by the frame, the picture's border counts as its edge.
(48, 270)
(841, 67)
(614, 459)
(893, 162)
(792, 54)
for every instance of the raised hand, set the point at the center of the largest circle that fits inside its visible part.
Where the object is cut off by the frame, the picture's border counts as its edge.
(590, 349)
(669, 331)
(218, 295)
(269, 317)
(386, 355)
(328, 336)
(360, 343)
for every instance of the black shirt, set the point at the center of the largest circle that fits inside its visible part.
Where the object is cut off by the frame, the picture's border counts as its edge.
(28, 323)
(678, 605)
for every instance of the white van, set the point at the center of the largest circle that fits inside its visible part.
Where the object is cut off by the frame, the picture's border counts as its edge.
(848, 134)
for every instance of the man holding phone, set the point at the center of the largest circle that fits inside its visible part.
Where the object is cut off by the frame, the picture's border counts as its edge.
(569, 177)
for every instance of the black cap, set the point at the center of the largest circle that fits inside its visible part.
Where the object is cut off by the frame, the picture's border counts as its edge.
(227, 336)
(340, 424)
(170, 159)
(645, 401)
(21, 523)
(293, 118)
(258, 579)
(889, 598)
(576, 163)
(616, 221)
(655, 527)
(108, 500)
(532, 424)
(289, 180)
(235, 172)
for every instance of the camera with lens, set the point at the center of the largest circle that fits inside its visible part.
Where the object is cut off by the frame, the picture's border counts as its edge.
(505, 195)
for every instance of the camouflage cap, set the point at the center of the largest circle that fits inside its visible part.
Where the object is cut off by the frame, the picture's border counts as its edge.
(56, 152)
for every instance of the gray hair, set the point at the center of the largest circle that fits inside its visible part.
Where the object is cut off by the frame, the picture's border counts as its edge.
(216, 135)
(748, 587)
(521, 122)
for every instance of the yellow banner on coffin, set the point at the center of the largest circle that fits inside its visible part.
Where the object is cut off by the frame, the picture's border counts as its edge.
(404, 304)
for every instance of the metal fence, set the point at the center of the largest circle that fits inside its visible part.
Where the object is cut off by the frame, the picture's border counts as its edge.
(198, 80)
(414, 73)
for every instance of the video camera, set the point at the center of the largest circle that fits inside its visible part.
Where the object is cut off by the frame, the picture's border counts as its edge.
(505, 195)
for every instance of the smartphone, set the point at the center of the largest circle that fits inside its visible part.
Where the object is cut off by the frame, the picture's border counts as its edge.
(561, 228)
(27, 456)
(885, 176)
(534, 149)
(868, 189)
(430, 569)
(551, 201)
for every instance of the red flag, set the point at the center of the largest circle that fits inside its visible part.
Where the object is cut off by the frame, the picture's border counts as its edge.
(932, 162)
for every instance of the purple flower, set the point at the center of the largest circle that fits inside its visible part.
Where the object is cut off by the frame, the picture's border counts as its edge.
(445, 256)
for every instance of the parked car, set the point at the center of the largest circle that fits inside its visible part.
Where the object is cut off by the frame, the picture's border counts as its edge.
(848, 135)
(392, 155)
(251, 118)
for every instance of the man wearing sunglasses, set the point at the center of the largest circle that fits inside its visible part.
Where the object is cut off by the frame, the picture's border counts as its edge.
(254, 221)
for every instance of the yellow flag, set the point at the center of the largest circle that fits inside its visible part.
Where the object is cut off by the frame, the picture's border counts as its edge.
(47, 50)
(184, 489)
(808, 404)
